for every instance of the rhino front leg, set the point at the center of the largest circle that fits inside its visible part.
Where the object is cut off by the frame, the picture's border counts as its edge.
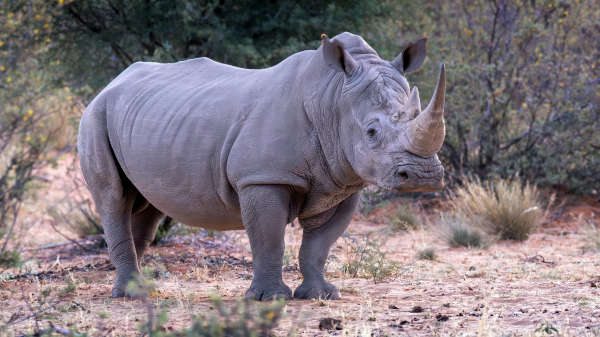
(265, 211)
(316, 242)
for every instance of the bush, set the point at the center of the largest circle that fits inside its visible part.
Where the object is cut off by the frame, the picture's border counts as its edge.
(367, 259)
(458, 234)
(403, 218)
(10, 258)
(508, 209)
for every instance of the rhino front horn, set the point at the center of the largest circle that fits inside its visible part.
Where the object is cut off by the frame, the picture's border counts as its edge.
(425, 134)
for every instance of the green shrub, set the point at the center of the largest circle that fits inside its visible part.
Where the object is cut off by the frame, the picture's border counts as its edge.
(10, 258)
(508, 209)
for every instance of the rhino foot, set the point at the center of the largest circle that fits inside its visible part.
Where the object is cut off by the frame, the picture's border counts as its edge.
(118, 292)
(317, 290)
(269, 292)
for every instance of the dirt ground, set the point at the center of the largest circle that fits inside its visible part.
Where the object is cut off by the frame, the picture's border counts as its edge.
(509, 289)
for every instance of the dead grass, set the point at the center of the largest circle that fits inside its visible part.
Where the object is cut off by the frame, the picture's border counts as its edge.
(592, 237)
(457, 233)
(507, 209)
(515, 289)
(403, 218)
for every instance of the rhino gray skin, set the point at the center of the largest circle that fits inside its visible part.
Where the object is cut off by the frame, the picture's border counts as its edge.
(221, 147)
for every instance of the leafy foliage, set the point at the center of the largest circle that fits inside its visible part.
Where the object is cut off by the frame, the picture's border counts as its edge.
(35, 119)
(96, 39)
(523, 88)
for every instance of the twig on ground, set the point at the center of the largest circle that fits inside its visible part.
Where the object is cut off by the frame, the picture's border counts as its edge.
(71, 240)
(55, 245)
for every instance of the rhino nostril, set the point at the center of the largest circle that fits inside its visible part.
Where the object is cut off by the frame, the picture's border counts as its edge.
(402, 175)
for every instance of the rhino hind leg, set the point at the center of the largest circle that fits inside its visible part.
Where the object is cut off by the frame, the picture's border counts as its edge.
(314, 250)
(144, 224)
(112, 192)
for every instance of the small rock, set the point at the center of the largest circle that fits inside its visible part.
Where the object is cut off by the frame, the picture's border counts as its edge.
(441, 318)
(446, 305)
(329, 323)
(416, 309)
(392, 306)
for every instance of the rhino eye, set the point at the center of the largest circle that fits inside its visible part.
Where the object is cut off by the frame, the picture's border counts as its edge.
(372, 132)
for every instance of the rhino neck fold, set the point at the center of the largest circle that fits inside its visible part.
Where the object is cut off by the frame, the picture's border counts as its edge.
(319, 107)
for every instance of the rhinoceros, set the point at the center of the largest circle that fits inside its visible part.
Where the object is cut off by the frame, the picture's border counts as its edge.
(226, 148)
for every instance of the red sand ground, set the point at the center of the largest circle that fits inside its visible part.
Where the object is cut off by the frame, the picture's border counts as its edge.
(509, 289)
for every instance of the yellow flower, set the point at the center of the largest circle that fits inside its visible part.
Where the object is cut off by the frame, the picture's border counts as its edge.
(561, 84)
(540, 55)
(2, 68)
(35, 31)
(25, 118)
(270, 315)
(67, 89)
(46, 25)
(57, 61)
(566, 13)
(8, 79)
(48, 40)
(30, 112)
(37, 16)
(43, 139)
(524, 105)
(1, 43)
(497, 116)
(10, 15)
(60, 2)
(560, 20)
(27, 139)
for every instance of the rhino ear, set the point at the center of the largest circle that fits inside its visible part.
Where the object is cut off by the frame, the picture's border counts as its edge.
(336, 56)
(411, 57)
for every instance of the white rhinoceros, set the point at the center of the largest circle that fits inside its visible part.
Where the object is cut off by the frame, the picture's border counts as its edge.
(222, 147)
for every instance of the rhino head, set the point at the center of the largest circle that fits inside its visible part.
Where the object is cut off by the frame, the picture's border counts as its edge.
(386, 137)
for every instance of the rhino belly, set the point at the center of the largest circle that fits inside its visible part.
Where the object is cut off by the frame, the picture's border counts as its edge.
(199, 207)
(188, 185)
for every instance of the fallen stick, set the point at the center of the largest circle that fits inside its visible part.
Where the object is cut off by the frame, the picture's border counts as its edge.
(72, 242)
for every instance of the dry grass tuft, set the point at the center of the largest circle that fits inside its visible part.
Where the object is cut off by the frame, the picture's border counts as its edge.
(403, 218)
(592, 238)
(426, 253)
(508, 209)
(457, 233)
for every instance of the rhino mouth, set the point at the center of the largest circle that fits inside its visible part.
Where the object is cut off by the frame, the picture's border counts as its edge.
(415, 178)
